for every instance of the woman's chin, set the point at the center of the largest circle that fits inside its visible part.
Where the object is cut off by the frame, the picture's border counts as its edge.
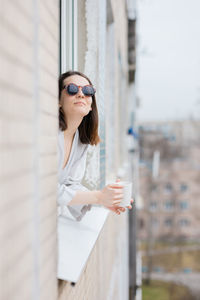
(81, 110)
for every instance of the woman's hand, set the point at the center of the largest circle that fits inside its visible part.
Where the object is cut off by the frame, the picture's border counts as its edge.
(111, 195)
(119, 209)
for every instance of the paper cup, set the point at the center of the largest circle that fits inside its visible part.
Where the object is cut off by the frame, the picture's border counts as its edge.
(127, 193)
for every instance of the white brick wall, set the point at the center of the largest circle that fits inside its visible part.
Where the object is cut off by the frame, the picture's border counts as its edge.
(28, 149)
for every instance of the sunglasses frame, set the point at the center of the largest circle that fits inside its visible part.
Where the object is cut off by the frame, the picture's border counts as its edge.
(79, 86)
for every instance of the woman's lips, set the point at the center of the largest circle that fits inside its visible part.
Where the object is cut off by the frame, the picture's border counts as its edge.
(79, 103)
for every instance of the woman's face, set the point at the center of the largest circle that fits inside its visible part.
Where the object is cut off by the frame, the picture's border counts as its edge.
(78, 104)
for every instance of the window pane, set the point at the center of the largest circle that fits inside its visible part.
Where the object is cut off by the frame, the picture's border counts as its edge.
(184, 205)
(168, 188)
(183, 187)
(153, 206)
(184, 222)
(168, 205)
(168, 222)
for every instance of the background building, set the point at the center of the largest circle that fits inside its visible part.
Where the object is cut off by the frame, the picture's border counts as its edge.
(40, 39)
(171, 198)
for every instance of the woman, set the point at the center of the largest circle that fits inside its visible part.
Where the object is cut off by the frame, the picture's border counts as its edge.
(78, 127)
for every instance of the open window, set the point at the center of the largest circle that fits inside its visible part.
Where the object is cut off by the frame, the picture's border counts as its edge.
(77, 239)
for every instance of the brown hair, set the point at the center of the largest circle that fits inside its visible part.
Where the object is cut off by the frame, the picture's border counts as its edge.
(88, 129)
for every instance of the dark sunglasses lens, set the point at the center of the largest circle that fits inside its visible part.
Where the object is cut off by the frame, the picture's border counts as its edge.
(72, 89)
(88, 90)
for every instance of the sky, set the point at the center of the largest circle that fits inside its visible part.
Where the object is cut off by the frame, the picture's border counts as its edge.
(168, 59)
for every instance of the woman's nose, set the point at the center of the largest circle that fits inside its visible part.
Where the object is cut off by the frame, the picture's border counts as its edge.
(80, 93)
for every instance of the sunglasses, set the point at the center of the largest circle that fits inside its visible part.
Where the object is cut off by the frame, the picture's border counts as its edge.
(73, 89)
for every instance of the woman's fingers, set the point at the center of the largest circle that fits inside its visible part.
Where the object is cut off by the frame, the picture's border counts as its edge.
(116, 209)
(122, 209)
(116, 202)
(130, 206)
(115, 186)
(118, 197)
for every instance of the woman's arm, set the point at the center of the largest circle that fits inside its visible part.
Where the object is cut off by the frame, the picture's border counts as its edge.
(111, 195)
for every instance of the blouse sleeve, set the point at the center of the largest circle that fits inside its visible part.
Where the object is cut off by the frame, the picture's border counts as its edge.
(67, 191)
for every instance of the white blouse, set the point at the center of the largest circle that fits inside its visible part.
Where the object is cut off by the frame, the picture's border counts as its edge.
(69, 178)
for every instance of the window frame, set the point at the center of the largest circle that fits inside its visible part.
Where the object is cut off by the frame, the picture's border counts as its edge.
(68, 35)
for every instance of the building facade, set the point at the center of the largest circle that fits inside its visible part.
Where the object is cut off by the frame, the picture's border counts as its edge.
(170, 199)
(40, 40)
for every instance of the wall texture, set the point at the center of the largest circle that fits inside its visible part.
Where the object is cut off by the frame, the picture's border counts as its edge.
(28, 149)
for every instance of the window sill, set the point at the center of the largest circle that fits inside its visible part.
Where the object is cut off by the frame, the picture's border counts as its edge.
(76, 241)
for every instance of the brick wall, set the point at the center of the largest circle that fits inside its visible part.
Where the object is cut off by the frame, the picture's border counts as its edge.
(28, 149)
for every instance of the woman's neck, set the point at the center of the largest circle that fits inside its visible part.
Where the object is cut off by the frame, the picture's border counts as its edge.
(72, 125)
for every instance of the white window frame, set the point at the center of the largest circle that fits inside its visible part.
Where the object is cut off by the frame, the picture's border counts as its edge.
(69, 35)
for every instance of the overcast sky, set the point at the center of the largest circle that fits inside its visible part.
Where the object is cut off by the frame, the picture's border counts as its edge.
(168, 59)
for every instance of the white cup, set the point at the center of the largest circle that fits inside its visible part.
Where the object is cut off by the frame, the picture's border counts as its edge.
(127, 192)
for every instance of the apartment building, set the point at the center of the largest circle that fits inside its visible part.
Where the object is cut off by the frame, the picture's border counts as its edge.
(40, 40)
(171, 198)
